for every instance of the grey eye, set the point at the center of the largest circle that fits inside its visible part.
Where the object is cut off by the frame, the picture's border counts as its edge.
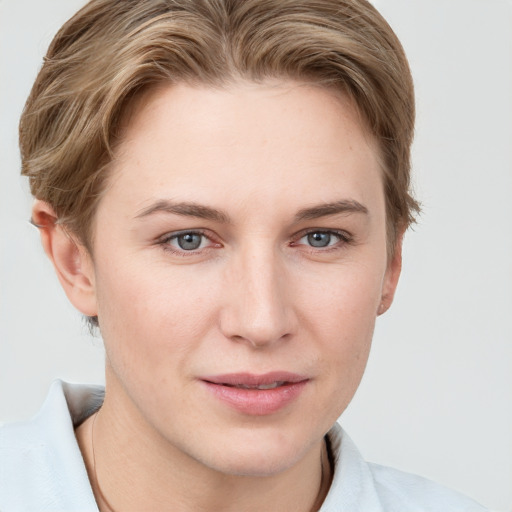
(189, 241)
(319, 239)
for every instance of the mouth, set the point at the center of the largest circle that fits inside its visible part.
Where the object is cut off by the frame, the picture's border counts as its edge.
(272, 385)
(256, 395)
(270, 380)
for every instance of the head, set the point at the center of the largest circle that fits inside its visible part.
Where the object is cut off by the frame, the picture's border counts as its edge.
(110, 53)
(179, 85)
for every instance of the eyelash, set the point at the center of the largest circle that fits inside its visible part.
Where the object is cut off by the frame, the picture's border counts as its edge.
(164, 242)
(344, 238)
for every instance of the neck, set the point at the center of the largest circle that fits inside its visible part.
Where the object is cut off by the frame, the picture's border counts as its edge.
(131, 468)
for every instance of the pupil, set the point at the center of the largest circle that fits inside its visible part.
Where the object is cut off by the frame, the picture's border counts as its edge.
(319, 239)
(189, 241)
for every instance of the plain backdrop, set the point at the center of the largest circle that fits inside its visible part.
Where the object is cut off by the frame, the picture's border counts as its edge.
(437, 395)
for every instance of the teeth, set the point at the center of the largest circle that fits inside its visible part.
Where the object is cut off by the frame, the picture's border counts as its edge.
(272, 385)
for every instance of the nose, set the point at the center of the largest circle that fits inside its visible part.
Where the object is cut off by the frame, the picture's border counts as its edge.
(259, 306)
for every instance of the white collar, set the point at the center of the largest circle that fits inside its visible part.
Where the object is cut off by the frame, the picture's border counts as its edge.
(42, 467)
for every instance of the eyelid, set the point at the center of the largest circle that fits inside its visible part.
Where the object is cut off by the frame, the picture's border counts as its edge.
(174, 234)
(343, 234)
(164, 240)
(343, 242)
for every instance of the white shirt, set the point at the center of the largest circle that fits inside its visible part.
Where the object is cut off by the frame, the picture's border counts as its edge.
(42, 470)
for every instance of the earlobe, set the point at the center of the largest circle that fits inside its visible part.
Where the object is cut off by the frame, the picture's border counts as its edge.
(391, 277)
(71, 260)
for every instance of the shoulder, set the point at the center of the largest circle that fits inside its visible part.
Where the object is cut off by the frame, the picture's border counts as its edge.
(41, 464)
(408, 492)
(360, 486)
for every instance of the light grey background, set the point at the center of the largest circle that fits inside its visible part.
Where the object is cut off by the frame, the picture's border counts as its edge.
(437, 396)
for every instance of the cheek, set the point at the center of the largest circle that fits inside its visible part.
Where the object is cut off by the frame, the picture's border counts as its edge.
(339, 312)
(342, 300)
(144, 314)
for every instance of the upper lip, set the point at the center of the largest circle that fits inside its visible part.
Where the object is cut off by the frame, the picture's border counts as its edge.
(251, 379)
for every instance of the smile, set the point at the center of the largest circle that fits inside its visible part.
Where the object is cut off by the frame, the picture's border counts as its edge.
(272, 385)
(256, 395)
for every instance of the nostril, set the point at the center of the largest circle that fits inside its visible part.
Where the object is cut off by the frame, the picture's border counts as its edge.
(260, 340)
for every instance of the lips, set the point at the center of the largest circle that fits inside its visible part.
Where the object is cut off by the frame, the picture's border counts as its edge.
(272, 385)
(256, 394)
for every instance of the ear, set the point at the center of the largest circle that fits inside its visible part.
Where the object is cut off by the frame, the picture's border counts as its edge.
(391, 276)
(70, 259)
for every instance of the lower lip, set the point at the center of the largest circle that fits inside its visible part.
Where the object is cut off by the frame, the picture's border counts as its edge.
(257, 402)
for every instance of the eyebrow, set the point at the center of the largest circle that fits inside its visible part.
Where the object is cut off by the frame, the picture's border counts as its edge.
(190, 209)
(186, 209)
(337, 207)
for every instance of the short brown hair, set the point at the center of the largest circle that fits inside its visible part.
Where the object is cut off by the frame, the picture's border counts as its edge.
(112, 51)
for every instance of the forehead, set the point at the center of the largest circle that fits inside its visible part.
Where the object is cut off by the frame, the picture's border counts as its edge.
(200, 110)
(278, 139)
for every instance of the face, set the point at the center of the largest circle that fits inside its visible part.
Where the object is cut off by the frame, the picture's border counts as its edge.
(239, 264)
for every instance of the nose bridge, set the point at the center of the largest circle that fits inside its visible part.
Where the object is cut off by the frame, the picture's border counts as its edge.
(259, 310)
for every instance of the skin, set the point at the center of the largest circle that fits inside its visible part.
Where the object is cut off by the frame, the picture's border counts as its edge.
(255, 297)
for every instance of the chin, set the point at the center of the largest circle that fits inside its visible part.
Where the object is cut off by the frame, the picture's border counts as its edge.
(258, 455)
(264, 465)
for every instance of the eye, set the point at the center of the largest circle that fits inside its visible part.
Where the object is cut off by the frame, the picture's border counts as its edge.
(189, 241)
(323, 239)
(319, 239)
(186, 241)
